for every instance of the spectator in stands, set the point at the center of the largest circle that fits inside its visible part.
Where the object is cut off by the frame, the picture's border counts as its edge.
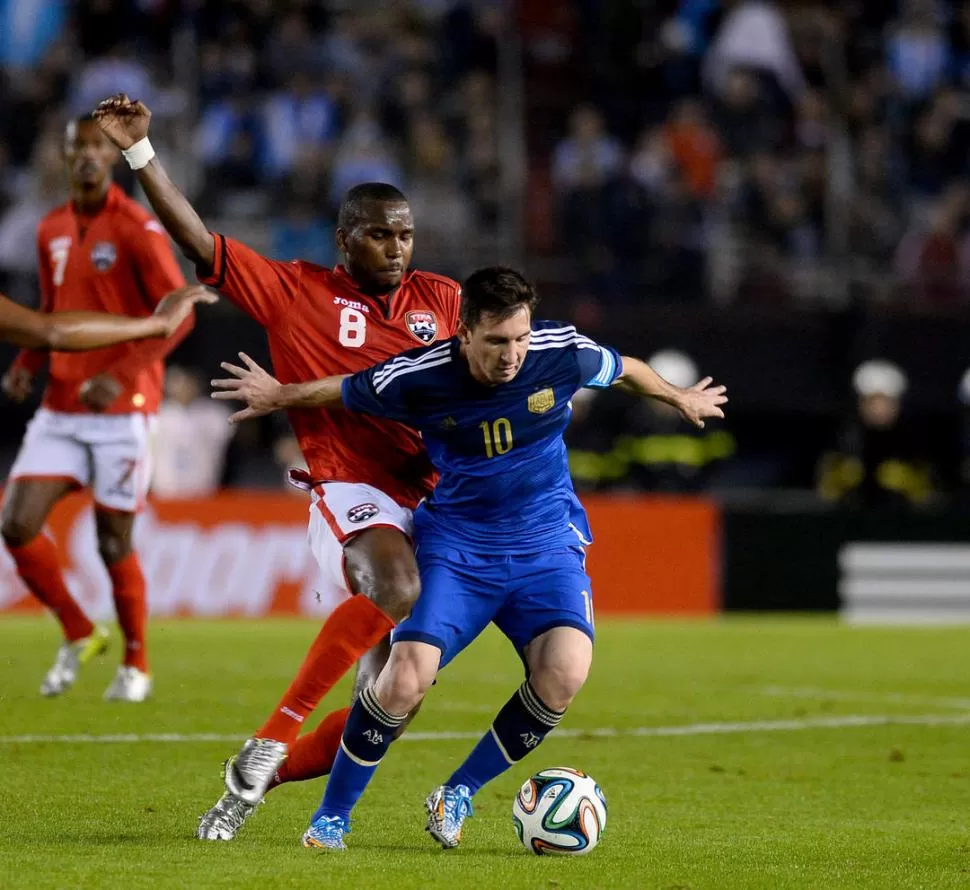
(299, 120)
(363, 155)
(694, 147)
(446, 215)
(745, 118)
(292, 49)
(119, 71)
(588, 157)
(227, 142)
(878, 460)
(937, 155)
(191, 439)
(301, 232)
(929, 261)
(877, 204)
(918, 55)
(754, 37)
(623, 443)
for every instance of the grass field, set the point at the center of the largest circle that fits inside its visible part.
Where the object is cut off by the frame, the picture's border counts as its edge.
(746, 753)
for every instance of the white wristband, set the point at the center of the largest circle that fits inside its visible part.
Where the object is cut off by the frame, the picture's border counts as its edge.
(139, 154)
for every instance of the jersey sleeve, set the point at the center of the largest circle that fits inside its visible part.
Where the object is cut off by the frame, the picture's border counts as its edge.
(389, 390)
(599, 366)
(263, 288)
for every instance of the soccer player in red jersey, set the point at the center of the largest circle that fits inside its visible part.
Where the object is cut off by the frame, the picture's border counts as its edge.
(366, 475)
(99, 252)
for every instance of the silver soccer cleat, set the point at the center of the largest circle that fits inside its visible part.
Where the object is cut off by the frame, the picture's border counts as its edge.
(70, 658)
(249, 773)
(129, 684)
(223, 821)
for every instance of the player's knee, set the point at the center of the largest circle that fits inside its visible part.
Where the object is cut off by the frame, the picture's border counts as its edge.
(113, 546)
(558, 681)
(18, 528)
(407, 677)
(394, 587)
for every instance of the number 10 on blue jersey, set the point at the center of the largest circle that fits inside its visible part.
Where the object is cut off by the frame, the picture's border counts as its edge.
(498, 436)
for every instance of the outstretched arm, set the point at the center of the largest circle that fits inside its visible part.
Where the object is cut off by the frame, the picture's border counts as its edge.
(82, 331)
(264, 394)
(125, 123)
(695, 403)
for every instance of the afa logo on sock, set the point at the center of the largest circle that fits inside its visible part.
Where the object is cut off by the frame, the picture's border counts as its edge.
(363, 512)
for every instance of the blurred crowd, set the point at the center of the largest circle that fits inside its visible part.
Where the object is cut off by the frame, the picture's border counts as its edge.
(762, 151)
(678, 151)
(270, 111)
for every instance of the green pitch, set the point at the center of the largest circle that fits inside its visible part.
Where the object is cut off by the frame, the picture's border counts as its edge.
(797, 753)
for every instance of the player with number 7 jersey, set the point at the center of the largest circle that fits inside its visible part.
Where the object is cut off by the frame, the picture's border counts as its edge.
(365, 474)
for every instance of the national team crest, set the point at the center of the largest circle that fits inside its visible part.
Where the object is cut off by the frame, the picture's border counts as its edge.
(103, 255)
(541, 401)
(423, 325)
(362, 512)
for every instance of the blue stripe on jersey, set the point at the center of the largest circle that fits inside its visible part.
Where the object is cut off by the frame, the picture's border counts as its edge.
(607, 372)
(405, 364)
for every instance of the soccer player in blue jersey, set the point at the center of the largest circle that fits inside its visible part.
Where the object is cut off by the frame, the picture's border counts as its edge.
(502, 537)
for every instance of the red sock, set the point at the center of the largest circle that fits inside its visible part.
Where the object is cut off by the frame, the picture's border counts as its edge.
(128, 588)
(38, 567)
(312, 755)
(353, 628)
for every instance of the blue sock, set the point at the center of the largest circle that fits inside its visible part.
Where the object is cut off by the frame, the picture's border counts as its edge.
(367, 736)
(520, 726)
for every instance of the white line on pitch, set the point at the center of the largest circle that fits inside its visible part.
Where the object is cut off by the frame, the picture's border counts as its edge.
(899, 698)
(840, 722)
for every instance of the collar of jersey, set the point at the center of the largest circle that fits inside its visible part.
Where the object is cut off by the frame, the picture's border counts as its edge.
(115, 193)
(348, 281)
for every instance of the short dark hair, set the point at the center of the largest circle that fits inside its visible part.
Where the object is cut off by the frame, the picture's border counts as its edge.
(352, 207)
(498, 291)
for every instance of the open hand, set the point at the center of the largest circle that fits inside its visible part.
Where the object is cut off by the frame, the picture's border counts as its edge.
(17, 383)
(123, 120)
(99, 392)
(252, 385)
(702, 400)
(177, 306)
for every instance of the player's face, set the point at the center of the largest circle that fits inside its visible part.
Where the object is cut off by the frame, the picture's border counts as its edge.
(496, 348)
(378, 249)
(89, 154)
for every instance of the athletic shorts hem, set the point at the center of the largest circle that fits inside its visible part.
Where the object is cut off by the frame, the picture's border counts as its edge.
(417, 636)
(562, 622)
(49, 477)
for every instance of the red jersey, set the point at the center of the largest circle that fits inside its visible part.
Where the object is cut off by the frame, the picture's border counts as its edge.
(319, 324)
(122, 263)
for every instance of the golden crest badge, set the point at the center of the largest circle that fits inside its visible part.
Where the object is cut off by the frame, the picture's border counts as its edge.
(541, 401)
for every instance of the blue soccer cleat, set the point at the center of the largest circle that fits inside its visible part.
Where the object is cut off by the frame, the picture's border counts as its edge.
(327, 833)
(447, 810)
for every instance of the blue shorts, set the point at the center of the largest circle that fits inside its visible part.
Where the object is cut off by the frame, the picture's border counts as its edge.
(523, 595)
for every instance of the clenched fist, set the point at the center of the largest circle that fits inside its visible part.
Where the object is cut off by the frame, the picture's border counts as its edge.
(99, 392)
(17, 383)
(123, 121)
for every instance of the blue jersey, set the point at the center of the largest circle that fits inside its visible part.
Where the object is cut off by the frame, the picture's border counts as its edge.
(505, 481)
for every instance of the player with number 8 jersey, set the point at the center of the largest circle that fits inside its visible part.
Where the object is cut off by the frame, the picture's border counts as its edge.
(320, 322)
(365, 474)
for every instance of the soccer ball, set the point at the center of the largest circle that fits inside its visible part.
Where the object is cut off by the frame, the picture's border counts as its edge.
(559, 811)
